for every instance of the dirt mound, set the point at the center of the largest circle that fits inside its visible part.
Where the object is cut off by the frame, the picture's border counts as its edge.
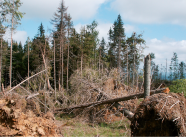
(160, 115)
(17, 120)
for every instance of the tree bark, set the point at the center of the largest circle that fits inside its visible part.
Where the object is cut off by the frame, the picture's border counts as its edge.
(25, 80)
(1, 60)
(68, 55)
(140, 95)
(11, 48)
(28, 65)
(147, 79)
(54, 70)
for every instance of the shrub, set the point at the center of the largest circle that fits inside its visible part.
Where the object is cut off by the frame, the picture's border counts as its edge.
(178, 86)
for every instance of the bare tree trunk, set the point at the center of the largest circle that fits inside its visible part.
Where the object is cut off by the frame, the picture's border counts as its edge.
(1, 60)
(147, 79)
(93, 104)
(68, 57)
(133, 66)
(99, 61)
(54, 70)
(81, 64)
(166, 71)
(119, 58)
(45, 61)
(60, 66)
(28, 65)
(127, 67)
(25, 81)
(11, 49)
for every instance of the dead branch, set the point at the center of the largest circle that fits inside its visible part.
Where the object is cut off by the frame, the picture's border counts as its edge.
(26, 80)
(31, 96)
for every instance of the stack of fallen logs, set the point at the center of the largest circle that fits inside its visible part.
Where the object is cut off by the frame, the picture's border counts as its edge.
(160, 114)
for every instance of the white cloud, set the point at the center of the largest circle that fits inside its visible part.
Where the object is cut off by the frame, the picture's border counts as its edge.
(164, 50)
(17, 36)
(44, 9)
(152, 11)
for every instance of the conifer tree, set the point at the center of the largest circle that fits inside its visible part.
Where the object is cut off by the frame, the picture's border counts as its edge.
(12, 8)
(175, 67)
(59, 22)
(69, 28)
(182, 66)
(117, 38)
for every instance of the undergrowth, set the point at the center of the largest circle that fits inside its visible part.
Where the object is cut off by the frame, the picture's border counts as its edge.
(76, 127)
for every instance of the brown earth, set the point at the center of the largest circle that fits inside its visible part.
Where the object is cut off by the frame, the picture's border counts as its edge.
(160, 115)
(16, 119)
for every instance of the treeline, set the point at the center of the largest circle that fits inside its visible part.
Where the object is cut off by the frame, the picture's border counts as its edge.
(170, 72)
(65, 51)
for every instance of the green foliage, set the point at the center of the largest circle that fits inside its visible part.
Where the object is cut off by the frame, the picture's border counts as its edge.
(178, 86)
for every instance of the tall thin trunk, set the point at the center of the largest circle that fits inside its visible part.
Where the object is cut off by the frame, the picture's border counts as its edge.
(60, 67)
(1, 60)
(99, 61)
(68, 58)
(54, 70)
(119, 57)
(81, 64)
(11, 49)
(134, 64)
(127, 67)
(28, 65)
(62, 41)
(147, 73)
(166, 71)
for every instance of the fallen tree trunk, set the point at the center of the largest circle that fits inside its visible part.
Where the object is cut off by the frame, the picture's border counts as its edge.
(25, 81)
(140, 95)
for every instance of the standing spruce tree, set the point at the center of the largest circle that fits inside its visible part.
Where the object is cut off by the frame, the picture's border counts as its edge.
(174, 67)
(12, 7)
(116, 38)
(59, 21)
(102, 54)
(92, 40)
(40, 52)
(136, 45)
(69, 32)
(182, 66)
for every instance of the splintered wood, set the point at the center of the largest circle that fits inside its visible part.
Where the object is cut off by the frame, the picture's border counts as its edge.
(15, 122)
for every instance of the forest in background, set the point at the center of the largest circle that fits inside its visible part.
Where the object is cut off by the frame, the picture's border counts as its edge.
(65, 51)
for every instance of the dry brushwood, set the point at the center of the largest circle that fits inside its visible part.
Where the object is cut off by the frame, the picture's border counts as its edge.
(115, 100)
(160, 115)
(17, 120)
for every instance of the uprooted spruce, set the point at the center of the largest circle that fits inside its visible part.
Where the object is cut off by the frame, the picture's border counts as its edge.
(16, 119)
(160, 115)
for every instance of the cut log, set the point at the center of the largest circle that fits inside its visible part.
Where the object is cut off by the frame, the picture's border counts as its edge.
(140, 95)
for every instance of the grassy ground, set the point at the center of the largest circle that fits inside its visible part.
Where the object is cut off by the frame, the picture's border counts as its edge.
(76, 127)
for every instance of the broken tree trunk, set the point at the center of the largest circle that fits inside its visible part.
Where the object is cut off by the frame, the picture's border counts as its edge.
(140, 95)
(147, 76)
(26, 80)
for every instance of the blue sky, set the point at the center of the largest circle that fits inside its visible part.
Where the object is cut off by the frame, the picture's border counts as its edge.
(163, 23)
